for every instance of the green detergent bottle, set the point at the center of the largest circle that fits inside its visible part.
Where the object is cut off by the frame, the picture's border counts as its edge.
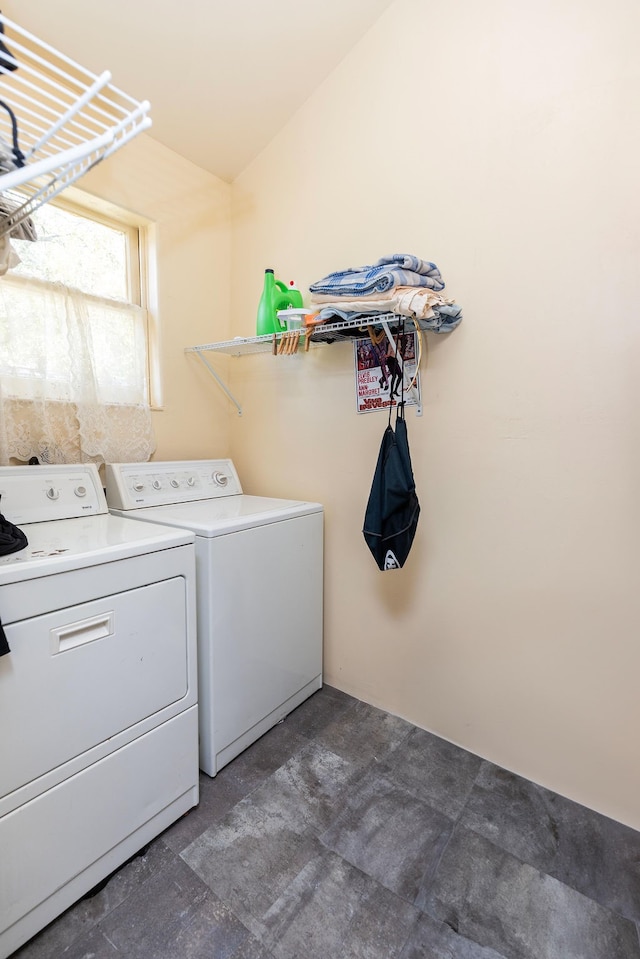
(266, 312)
(275, 296)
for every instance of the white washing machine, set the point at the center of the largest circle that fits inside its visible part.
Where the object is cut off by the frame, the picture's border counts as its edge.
(98, 694)
(259, 574)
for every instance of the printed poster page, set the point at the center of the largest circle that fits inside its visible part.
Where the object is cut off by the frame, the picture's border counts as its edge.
(379, 374)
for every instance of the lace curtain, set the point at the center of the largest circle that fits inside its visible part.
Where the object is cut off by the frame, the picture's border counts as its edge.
(73, 376)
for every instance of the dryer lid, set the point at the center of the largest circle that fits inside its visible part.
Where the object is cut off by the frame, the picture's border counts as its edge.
(228, 514)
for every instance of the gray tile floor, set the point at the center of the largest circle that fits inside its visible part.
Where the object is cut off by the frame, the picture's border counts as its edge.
(347, 833)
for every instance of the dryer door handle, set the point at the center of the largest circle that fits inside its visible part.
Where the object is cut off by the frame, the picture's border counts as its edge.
(81, 632)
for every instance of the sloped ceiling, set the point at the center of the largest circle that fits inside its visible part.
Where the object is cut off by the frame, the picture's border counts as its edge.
(222, 76)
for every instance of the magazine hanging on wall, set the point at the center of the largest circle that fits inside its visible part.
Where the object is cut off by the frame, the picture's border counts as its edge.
(378, 374)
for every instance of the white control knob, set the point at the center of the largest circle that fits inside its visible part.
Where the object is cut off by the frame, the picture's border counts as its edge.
(80, 491)
(53, 493)
(220, 479)
(175, 483)
(191, 481)
(157, 484)
(138, 487)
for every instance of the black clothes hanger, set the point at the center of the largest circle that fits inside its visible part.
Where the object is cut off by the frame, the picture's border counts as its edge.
(18, 155)
(7, 59)
(7, 64)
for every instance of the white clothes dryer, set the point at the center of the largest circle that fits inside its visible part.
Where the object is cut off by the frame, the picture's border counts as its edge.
(98, 693)
(259, 575)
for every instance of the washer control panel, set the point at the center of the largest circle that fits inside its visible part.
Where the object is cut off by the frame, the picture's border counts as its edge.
(34, 494)
(138, 485)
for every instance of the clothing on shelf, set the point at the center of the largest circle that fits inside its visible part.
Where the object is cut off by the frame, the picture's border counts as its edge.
(7, 159)
(399, 269)
(431, 310)
(409, 287)
(24, 229)
(442, 319)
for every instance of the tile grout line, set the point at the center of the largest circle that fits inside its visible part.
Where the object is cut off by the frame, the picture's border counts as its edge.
(430, 876)
(525, 862)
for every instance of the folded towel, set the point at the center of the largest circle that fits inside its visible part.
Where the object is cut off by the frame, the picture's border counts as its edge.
(414, 301)
(446, 318)
(399, 269)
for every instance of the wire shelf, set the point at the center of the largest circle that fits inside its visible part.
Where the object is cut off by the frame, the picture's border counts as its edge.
(323, 333)
(65, 120)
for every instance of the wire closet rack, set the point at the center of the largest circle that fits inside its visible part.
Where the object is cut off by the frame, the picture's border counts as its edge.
(324, 334)
(57, 120)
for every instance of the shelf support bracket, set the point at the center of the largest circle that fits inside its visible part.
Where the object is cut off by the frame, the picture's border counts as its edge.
(219, 381)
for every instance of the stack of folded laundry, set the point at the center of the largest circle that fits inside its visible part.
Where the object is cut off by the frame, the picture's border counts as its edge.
(401, 284)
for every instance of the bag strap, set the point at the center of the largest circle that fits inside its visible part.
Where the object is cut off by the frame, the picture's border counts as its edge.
(403, 346)
(399, 357)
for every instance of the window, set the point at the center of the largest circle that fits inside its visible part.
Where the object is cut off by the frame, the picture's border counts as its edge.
(100, 261)
(74, 363)
(95, 256)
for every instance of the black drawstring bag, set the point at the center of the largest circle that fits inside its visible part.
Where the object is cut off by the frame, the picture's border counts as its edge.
(391, 517)
(11, 540)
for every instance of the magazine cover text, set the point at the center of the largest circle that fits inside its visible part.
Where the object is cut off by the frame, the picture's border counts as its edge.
(379, 375)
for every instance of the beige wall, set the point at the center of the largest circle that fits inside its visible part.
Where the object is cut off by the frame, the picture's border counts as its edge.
(500, 140)
(189, 210)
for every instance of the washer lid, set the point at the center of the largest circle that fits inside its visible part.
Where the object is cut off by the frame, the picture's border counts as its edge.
(228, 514)
(60, 545)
